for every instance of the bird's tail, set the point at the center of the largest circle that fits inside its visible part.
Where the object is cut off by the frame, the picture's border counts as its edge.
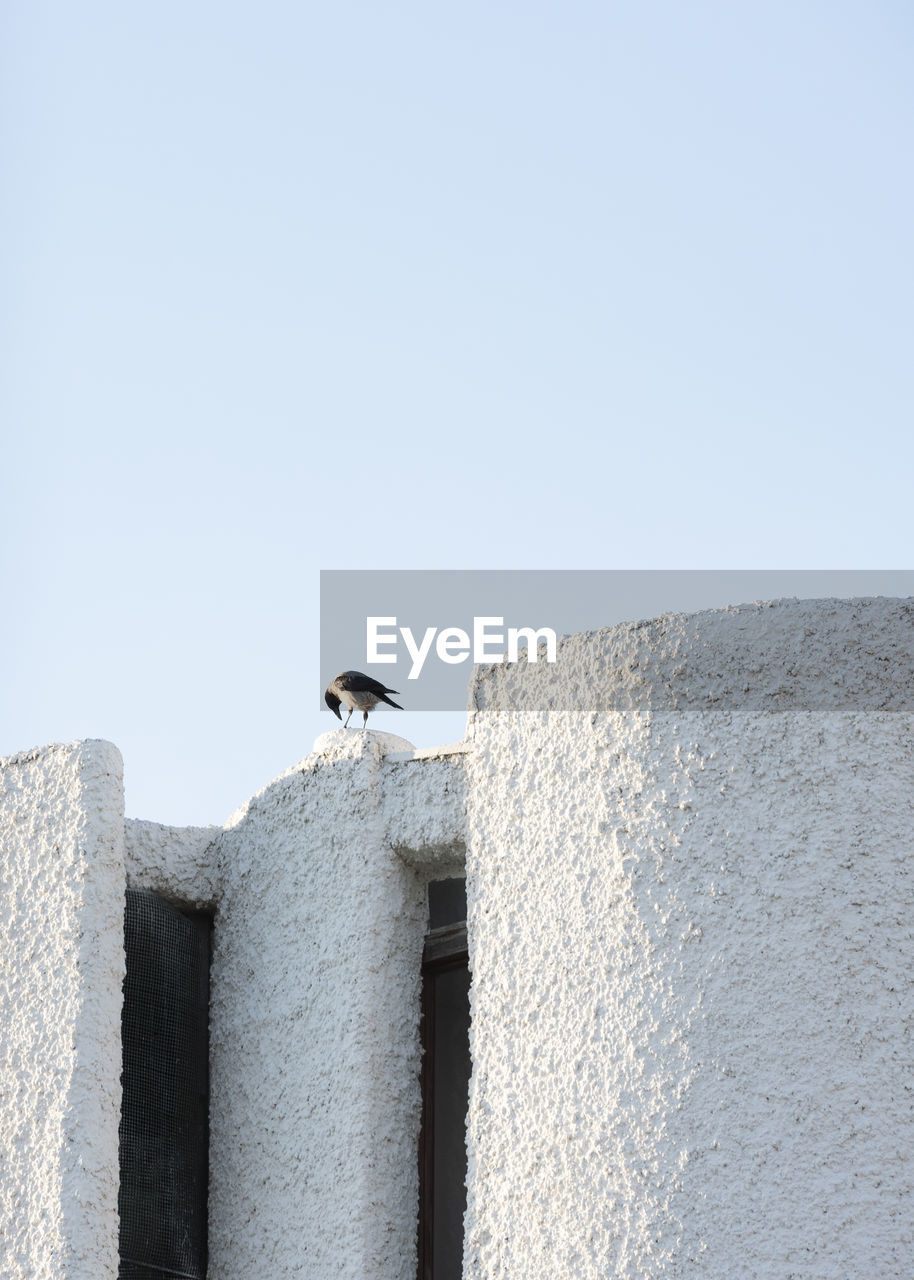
(390, 702)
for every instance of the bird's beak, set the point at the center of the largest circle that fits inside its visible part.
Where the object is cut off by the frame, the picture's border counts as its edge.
(333, 703)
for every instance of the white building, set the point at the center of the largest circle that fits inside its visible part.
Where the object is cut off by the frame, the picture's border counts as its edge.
(688, 854)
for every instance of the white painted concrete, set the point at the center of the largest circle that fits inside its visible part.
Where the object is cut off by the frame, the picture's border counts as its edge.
(61, 968)
(688, 846)
(178, 863)
(690, 886)
(315, 1008)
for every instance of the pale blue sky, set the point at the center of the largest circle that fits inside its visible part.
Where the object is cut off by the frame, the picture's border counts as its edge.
(294, 286)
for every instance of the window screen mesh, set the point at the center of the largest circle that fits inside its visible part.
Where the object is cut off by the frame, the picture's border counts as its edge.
(447, 902)
(165, 1108)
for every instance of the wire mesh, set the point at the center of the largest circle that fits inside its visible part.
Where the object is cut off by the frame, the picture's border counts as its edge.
(164, 1129)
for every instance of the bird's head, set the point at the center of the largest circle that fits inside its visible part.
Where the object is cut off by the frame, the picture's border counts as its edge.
(333, 703)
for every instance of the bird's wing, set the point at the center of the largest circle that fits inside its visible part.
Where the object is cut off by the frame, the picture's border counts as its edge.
(356, 682)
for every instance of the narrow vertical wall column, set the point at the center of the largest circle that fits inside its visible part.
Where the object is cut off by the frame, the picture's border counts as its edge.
(315, 976)
(61, 970)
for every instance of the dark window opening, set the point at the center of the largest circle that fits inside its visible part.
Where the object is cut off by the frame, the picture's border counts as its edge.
(445, 1031)
(164, 1130)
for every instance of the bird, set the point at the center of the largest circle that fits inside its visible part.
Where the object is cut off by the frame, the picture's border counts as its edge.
(358, 691)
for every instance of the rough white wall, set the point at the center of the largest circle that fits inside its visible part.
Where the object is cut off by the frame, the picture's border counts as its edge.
(176, 862)
(691, 941)
(424, 812)
(61, 969)
(315, 1004)
(689, 862)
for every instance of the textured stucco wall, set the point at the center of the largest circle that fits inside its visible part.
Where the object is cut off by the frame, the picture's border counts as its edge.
(689, 865)
(318, 887)
(688, 847)
(178, 863)
(315, 1004)
(61, 969)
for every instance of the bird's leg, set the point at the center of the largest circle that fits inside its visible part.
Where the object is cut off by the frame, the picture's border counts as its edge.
(346, 725)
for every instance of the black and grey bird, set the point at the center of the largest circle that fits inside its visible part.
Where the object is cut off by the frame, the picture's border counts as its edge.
(359, 692)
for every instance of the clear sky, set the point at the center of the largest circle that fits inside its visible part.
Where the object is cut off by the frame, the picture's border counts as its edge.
(491, 285)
